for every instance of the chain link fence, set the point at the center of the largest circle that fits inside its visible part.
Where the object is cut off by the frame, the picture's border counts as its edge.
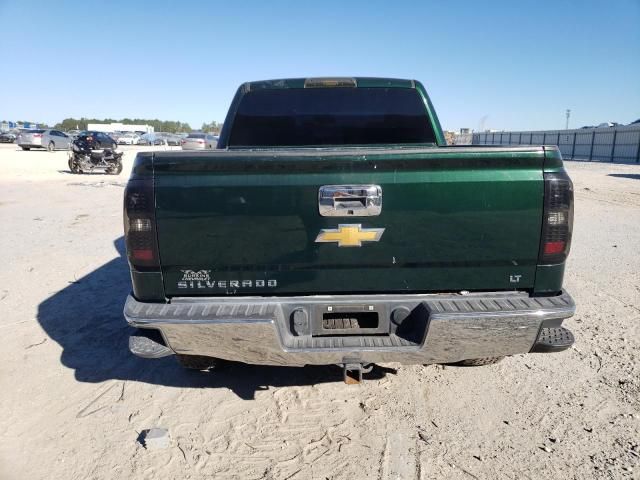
(613, 144)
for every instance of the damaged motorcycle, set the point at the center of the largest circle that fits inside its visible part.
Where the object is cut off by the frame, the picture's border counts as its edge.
(87, 154)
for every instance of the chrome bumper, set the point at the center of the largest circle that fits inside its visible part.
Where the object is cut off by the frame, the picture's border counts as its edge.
(443, 328)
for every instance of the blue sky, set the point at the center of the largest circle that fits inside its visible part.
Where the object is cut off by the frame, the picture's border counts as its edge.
(503, 64)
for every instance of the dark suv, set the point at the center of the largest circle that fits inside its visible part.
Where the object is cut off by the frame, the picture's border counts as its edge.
(100, 140)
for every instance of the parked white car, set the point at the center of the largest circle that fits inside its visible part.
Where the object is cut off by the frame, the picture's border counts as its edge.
(129, 139)
(199, 141)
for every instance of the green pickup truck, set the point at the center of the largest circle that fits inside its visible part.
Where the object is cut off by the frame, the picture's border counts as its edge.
(333, 225)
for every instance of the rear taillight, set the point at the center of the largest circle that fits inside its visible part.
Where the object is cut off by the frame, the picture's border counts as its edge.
(200, 141)
(140, 224)
(37, 135)
(557, 223)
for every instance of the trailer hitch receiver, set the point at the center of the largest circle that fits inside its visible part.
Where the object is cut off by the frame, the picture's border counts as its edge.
(352, 372)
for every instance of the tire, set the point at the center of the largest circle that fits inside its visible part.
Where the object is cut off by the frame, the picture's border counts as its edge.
(51, 147)
(477, 362)
(114, 170)
(198, 362)
(75, 167)
(26, 148)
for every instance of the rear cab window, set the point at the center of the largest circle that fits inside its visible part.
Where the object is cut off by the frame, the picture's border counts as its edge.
(331, 116)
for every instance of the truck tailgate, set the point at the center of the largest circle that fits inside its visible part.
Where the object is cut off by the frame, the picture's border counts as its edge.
(246, 222)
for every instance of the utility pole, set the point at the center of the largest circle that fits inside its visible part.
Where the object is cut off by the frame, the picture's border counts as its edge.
(568, 114)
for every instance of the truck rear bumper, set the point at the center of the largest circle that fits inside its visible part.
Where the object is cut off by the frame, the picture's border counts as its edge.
(410, 329)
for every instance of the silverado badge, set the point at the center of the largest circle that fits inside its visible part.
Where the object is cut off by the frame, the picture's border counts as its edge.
(349, 235)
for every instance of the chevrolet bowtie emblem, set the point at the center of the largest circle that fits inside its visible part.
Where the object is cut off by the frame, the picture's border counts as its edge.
(349, 235)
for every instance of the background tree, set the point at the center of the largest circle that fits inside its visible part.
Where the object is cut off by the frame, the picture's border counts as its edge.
(213, 127)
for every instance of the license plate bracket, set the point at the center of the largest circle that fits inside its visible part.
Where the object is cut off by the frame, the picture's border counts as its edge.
(349, 319)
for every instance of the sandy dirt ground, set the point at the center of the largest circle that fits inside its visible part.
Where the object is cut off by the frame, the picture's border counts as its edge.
(73, 400)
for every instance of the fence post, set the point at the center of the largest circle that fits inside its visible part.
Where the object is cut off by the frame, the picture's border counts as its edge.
(509, 138)
(544, 138)
(593, 136)
(638, 152)
(573, 147)
(613, 146)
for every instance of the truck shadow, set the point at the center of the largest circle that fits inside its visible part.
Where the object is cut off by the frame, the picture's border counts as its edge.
(86, 319)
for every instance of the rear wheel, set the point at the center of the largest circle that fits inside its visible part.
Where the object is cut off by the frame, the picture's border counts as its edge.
(51, 147)
(198, 362)
(477, 362)
(26, 148)
(115, 170)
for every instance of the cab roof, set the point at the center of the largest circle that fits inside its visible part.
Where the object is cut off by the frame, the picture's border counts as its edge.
(328, 82)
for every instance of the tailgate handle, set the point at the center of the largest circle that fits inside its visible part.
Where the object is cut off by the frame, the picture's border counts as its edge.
(350, 200)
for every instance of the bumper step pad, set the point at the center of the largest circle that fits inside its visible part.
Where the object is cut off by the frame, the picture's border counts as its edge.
(148, 344)
(553, 340)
